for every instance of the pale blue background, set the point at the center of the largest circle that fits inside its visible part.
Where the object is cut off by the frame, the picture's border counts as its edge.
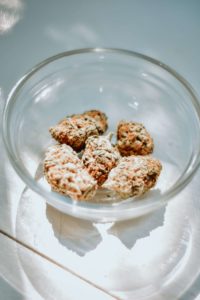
(168, 30)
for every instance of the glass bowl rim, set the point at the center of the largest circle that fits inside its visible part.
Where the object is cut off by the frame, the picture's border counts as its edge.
(98, 207)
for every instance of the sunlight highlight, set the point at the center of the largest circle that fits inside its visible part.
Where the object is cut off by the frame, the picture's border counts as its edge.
(10, 14)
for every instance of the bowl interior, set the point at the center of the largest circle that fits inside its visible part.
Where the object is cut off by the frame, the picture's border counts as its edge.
(126, 87)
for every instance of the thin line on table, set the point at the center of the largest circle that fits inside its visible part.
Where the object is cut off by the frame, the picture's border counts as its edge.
(56, 263)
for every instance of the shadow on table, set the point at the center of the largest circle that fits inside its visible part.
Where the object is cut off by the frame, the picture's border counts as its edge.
(77, 235)
(83, 236)
(131, 230)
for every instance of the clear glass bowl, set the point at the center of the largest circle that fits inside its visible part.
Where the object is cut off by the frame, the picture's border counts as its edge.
(125, 85)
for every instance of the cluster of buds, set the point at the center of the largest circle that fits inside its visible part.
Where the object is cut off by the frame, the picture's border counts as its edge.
(125, 168)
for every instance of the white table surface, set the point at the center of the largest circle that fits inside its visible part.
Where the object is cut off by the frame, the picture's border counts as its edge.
(166, 30)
